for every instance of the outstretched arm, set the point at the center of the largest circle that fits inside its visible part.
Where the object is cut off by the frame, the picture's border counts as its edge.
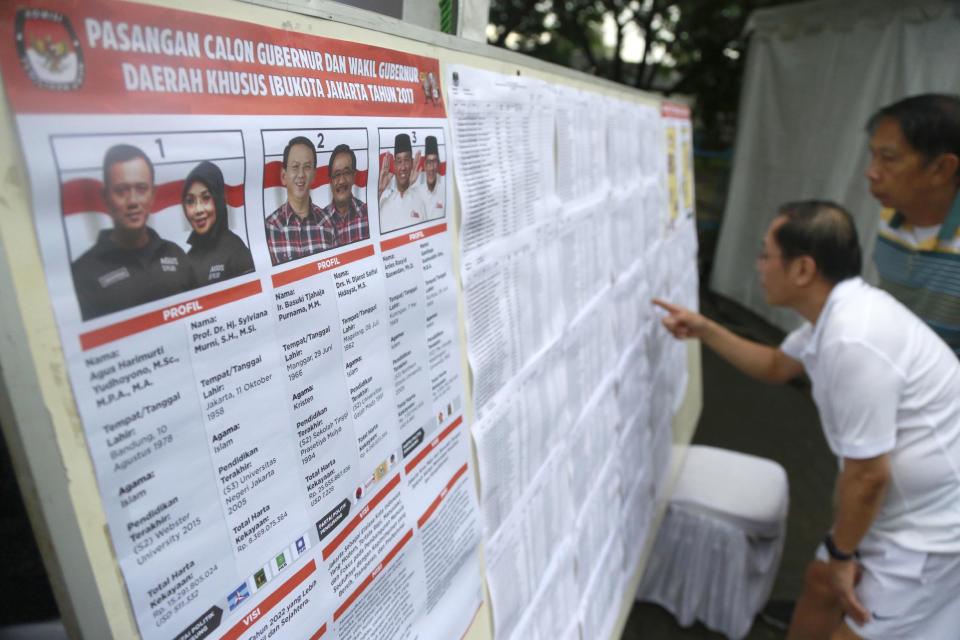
(754, 359)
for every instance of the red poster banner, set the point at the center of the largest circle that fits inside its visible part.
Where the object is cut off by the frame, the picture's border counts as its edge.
(83, 56)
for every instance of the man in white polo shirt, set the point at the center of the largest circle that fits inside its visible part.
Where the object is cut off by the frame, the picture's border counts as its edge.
(401, 204)
(888, 393)
(431, 182)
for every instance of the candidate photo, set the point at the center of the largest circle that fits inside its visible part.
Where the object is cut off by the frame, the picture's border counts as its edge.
(411, 187)
(143, 232)
(322, 191)
(216, 253)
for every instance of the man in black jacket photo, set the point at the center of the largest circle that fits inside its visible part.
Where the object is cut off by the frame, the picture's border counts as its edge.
(130, 264)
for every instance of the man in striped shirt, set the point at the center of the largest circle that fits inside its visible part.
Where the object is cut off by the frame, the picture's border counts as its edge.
(298, 228)
(347, 213)
(914, 173)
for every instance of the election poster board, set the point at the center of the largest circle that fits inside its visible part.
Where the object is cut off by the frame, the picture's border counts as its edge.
(245, 235)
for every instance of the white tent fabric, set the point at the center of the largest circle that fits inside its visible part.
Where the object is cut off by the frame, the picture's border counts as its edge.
(815, 73)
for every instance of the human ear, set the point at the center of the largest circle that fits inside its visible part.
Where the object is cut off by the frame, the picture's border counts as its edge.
(804, 270)
(945, 168)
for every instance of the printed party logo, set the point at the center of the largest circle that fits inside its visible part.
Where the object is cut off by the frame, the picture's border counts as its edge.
(431, 88)
(49, 49)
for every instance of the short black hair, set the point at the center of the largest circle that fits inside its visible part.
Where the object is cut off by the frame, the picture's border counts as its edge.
(824, 231)
(299, 140)
(123, 153)
(337, 150)
(930, 122)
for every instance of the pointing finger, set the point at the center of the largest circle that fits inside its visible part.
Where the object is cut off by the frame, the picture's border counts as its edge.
(663, 304)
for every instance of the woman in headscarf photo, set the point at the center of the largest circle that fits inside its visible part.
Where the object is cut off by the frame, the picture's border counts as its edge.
(216, 252)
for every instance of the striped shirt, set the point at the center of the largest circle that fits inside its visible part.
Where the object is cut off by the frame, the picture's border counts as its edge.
(290, 237)
(354, 226)
(920, 266)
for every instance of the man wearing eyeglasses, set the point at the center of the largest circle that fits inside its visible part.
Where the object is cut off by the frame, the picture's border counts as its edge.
(298, 228)
(887, 390)
(432, 182)
(347, 212)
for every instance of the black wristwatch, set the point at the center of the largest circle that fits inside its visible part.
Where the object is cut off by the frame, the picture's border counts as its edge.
(834, 552)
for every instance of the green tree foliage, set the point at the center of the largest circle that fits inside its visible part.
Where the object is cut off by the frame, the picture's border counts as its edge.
(694, 47)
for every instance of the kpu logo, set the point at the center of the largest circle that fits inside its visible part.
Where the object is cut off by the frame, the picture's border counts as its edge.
(49, 49)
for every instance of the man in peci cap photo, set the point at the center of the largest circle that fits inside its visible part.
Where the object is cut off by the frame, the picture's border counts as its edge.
(401, 205)
(431, 182)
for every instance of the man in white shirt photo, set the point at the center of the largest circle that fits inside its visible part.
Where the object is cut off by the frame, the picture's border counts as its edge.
(401, 205)
(430, 181)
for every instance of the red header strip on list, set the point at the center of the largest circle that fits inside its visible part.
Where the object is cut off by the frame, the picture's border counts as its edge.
(674, 110)
(319, 634)
(443, 494)
(319, 266)
(417, 459)
(373, 574)
(268, 603)
(357, 519)
(407, 238)
(112, 332)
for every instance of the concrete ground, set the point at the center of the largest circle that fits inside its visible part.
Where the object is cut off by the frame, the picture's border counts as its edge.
(776, 422)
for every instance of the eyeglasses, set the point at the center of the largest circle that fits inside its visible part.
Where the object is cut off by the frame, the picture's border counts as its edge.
(299, 168)
(343, 173)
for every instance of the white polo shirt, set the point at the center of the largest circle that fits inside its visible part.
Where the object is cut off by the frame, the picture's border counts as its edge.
(399, 210)
(884, 382)
(434, 199)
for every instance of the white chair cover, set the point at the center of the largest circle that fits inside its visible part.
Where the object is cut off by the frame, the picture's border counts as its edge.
(718, 549)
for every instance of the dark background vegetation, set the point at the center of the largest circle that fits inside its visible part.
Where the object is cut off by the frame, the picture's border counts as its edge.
(690, 47)
(694, 48)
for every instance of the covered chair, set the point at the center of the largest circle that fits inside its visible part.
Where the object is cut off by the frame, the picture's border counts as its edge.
(718, 549)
